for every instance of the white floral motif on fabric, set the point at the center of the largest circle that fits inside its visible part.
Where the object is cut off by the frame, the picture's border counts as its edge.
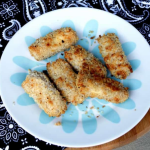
(24, 141)
(9, 130)
(8, 9)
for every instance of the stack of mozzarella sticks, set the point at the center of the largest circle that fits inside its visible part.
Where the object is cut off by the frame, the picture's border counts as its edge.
(80, 76)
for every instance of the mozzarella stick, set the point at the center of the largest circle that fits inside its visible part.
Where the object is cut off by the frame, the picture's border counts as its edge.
(38, 86)
(77, 54)
(53, 43)
(65, 79)
(114, 57)
(102, 88)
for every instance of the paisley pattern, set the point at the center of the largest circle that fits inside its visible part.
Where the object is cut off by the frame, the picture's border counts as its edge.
(11, 30)
(145, 30)
(19, 13)
(55, 4)
(142, 3)
(118, 7)
(33, 9)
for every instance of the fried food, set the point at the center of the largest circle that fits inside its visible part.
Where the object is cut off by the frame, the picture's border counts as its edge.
(53, 43)
(102, 88)
(114, 57)
(38, 86)
(65, 79)
(77, 54)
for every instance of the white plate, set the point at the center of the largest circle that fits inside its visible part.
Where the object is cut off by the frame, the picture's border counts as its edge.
(78, 129)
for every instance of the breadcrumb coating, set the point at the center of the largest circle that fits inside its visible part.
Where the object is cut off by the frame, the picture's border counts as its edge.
(64, 77)
(114, 57)
(102, 88)
(53, 43)
(38, 86)
(77, 55)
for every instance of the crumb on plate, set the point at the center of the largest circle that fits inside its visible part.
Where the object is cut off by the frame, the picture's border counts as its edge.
(92, 37)
(92, 107)
(91, 31)
(58, 123)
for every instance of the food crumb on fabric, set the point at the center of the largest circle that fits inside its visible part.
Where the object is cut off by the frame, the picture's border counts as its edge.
(97, 116)
(86, 112)
(13, 102)
(103, 106)
(58, 123)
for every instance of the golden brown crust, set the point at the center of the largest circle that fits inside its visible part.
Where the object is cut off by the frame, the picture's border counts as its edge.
(77, 55)
(114, 57)
(65, 79)
(102, 88)
(53, 43)
(38, 86)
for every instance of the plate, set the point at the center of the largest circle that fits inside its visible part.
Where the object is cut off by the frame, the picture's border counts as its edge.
(106, 121)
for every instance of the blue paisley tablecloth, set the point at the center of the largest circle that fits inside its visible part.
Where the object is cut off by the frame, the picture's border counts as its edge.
(14, 14)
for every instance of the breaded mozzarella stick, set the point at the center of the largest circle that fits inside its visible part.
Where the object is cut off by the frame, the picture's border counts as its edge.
(114, 57)
(65, 79)
(77, 55)
(53, 43)
(102, 88)
(38, 86)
